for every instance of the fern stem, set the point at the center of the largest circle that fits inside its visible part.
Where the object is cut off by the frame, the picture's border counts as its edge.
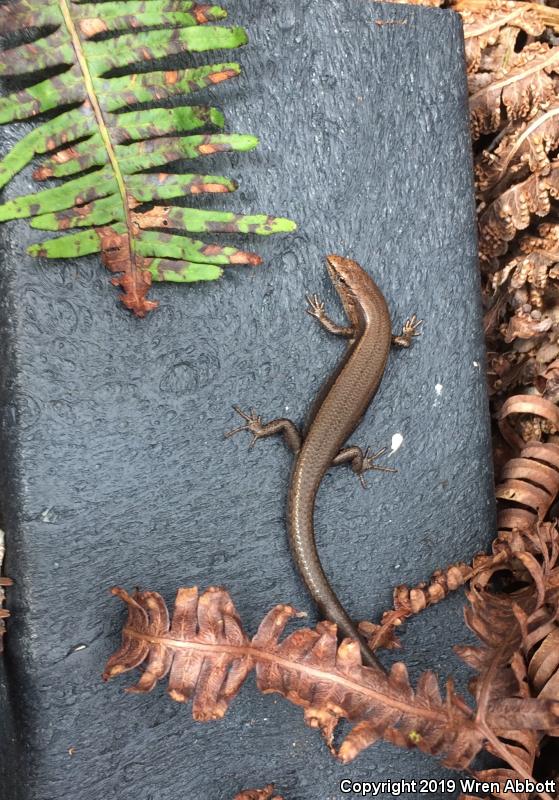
(103, 129)
(316, 673)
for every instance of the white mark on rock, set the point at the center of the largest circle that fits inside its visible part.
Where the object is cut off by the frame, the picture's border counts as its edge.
(48, 515)
(397, 441)
(438, 389)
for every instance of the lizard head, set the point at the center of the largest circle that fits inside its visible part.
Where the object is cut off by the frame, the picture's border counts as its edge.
(361, 298)
(347, 276)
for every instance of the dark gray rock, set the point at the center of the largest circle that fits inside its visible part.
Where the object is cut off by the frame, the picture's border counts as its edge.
(114, 467)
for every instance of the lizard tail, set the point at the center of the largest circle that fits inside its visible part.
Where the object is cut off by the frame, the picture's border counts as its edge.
(305, 555)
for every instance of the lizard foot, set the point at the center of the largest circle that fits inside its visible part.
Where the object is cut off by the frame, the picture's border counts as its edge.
(315, 307)
(369, 463)
(253, 424)
(409, 332)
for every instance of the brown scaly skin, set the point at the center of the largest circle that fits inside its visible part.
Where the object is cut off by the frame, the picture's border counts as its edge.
(339, 408)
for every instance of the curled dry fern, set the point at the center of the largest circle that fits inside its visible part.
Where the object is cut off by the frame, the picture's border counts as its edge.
(519, 632)
(92, 51)
(408, 601)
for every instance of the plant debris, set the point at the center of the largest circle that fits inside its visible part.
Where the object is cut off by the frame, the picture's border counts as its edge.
(105, 140)
(258, 794)
(207, 656)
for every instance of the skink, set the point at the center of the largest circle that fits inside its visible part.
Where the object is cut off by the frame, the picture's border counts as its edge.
(337, 411)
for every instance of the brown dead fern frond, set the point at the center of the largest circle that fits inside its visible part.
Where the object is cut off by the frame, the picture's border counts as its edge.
(533, 269)
(524, 147)
(512, 626)
(409, 601)
(513, 85)
(519, 631)
(208, 656)
(514, 94)
(528, 407)
(514, 210)
(484, 23)
(529, 486)
(258, 794)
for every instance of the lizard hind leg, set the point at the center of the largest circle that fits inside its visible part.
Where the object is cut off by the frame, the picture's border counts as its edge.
(362, 461)
(261, 430)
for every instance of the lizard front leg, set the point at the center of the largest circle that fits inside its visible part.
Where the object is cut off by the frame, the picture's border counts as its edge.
(317, 310)
(409, 332)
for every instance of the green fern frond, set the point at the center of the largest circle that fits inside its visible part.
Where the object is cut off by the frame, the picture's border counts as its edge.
(103, 132)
